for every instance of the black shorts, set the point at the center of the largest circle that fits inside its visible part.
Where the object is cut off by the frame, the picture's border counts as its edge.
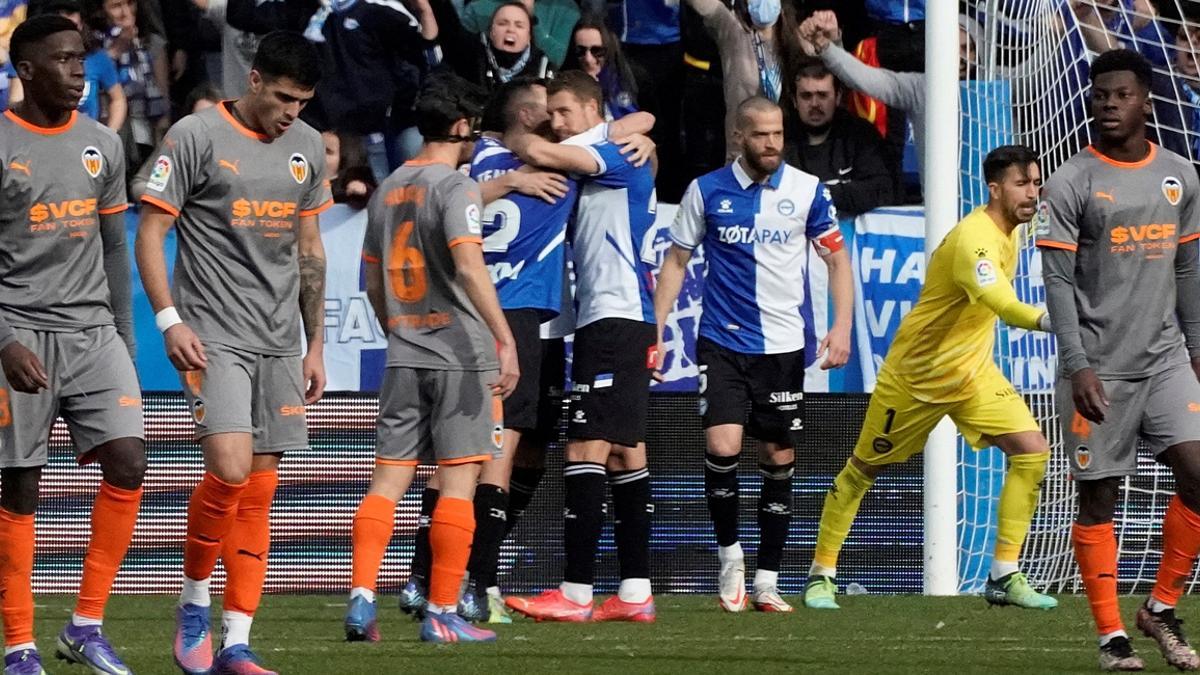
(533, 408)
(611, 373)
(772, 384)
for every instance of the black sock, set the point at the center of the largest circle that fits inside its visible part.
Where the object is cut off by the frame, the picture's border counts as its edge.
(774, 514)
(491, 507)
(633, 509)
(521, 486)
(721, 491)
(422, 551)
(583, 518)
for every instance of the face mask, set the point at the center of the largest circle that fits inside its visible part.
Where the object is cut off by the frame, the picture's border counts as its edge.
(763, 13)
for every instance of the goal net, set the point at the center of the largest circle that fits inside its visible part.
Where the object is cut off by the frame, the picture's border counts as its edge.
(1029, 85)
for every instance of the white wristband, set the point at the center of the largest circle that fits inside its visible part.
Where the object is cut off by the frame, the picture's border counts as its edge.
(166, 318)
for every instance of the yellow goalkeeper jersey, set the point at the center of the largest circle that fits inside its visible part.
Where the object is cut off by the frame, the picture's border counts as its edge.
(944, 344)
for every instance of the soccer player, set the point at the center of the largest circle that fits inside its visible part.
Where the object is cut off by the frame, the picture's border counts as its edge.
(451, 358)
(755, 219)
(1119, 257)
(244, 182)
(66, 336)
(940, 363)
(613, 356)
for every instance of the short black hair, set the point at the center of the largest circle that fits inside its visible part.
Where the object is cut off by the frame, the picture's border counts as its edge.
(285, 53)
(1117, 60)
(59, 7)
(498, 115)
(1000, 159)
(33, 31)
(445, 99)
(579, 83)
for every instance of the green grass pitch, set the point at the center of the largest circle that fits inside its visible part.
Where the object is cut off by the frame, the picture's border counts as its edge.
(302, 635)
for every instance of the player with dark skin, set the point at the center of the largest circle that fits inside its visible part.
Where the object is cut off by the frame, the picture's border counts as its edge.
(1121, 107)
(53, 81)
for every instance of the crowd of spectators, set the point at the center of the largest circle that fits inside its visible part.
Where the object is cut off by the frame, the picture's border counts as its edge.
(848, 72)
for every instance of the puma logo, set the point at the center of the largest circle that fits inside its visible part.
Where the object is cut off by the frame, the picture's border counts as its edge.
(1105, 195)
(232, 166)
(256, 556)
(17, 166)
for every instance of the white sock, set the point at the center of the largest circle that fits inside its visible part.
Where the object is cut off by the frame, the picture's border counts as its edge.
(765, 580)
(1104, 639)
(1001, 569)
(580, 594)
(16, 648)
(816, 570)
(359, 591)
(194, 593)
(635, 591)
(1157, 606)
(730, 553)
(77, 620)
(235, 627)
(440, 609)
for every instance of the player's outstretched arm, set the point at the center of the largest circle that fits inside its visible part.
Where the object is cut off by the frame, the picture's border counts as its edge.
(311, 259)
(836, 345)
(535, 150)
(116, 270)
(640, 122)
(547, 186)
(183, 347)
(477, 282)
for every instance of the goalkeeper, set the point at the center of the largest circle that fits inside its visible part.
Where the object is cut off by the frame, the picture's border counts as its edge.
(940, 363)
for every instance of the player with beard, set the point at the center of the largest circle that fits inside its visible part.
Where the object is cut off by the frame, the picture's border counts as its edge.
(755, 218)
(1120, 260)
(940, 363)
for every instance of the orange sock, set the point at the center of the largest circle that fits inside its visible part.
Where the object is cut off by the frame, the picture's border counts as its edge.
(114, 514)
(450, 538)
(1181, 544)
(211, 512)
(245, 549)
(16, 577)
(373, 524)
(1096, 553)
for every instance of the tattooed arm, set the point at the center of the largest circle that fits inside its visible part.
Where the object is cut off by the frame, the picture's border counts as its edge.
(312, 306)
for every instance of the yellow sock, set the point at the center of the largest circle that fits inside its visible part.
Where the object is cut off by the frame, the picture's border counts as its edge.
(841, 505)
(1018, 499)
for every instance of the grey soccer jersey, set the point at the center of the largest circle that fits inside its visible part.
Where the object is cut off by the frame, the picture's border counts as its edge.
(239, 197)
(55, 184)
(416, 216)
(1125, 223)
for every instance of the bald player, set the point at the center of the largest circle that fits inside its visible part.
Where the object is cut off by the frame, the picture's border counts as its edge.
(244, 182)
(66, 336)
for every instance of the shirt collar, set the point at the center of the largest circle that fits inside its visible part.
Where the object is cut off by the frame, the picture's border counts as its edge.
(745, 181)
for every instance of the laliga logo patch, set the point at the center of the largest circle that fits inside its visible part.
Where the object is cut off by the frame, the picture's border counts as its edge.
(1083, 457)
(93, 161)
(1172, 189)
(1041, 220)
(299, 167)
(985, 273)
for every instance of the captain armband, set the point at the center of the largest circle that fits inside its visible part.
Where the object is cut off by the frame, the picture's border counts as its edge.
(832, 242)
